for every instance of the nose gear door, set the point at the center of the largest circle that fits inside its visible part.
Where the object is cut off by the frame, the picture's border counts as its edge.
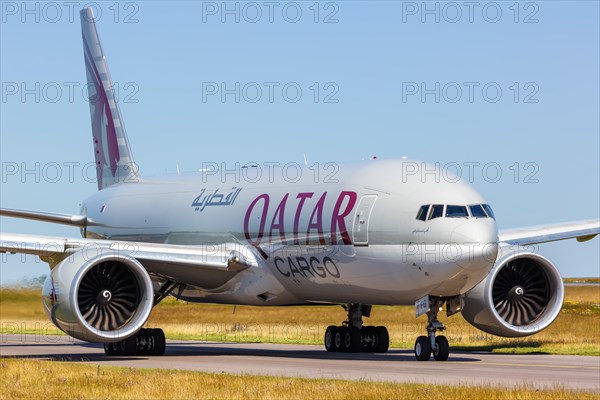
(360, 227)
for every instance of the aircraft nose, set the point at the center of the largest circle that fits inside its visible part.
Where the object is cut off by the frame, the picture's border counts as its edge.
(479, 231)
(479, 239)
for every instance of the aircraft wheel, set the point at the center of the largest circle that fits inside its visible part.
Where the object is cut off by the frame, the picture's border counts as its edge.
(422, 348)
(442, 348)
(160, 343)
(369, 339)
(351, 340)
(128, 347)
(330, 338)
(382, 342)
(338, 338)
(111, 349)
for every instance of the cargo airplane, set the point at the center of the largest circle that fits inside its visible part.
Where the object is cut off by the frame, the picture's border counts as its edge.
(369, 235)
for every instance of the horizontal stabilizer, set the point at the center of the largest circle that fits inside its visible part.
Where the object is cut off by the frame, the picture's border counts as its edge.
(56, 218)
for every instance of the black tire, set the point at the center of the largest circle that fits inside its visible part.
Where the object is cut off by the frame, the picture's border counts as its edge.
(422, 348)
(160, 342)
(144, 342)
(351, 340)
(128, 347)
(442, 350)
(338, 341)
(330, 338)
(115, 349)
(369, 339)
(110, 349)
(383, 339)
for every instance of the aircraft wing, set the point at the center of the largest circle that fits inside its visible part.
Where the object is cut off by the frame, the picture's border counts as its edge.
(580, 230)
(206, 266)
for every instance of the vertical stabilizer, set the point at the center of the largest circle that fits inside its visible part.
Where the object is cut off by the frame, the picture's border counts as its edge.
(114, 161)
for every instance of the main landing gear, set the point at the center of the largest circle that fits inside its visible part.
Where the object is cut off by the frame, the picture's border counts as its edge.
(431, 344)
(146, 342)
(353, 337)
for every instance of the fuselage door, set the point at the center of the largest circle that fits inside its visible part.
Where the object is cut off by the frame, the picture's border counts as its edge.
(360, 227)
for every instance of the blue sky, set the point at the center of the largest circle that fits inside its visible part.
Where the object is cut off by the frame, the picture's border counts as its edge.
(502, 86)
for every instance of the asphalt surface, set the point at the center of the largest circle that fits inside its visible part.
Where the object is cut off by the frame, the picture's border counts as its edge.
(473, 368)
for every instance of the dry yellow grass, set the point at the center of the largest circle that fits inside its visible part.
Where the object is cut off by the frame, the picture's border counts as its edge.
(583, 294)
(574, 332)
(25, 379)
(582, 280)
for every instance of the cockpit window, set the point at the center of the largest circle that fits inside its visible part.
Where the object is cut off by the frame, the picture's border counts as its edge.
(488, 210)
(437, 210)
(477, 211)
(422, 214)
(456, 211)
(429, 212)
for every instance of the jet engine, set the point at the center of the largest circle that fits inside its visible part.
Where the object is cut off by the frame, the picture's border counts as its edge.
(104, 298)
(521, 296)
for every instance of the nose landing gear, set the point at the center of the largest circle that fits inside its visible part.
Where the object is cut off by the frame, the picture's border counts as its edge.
(432, 344)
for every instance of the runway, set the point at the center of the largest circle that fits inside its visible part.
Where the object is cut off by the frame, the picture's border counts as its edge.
(473, 368)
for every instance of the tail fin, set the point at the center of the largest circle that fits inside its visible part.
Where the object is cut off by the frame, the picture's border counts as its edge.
(114, 161)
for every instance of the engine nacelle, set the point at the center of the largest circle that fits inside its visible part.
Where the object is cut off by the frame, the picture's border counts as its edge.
(104, 298)
(522, 295)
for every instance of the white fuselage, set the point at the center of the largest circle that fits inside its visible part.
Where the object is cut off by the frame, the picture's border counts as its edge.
(349, 237)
